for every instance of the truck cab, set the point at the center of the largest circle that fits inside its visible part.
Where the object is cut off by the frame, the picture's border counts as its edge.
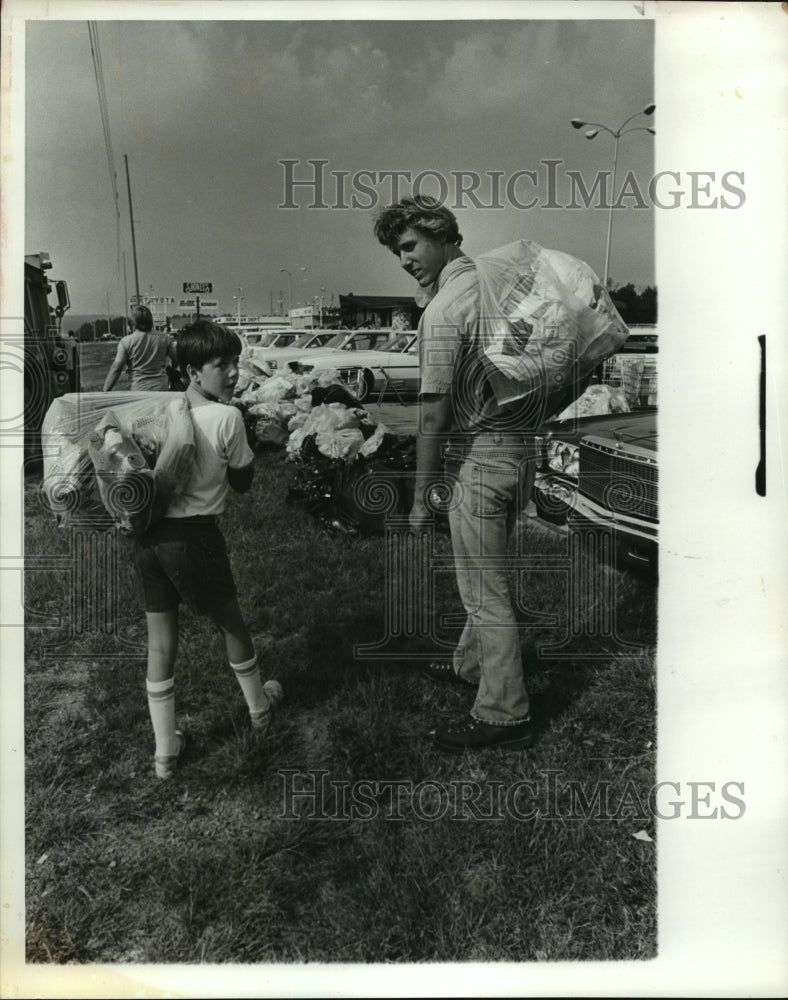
(46, 373)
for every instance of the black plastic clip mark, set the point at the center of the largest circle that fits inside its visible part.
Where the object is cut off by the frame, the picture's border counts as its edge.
(760, 472)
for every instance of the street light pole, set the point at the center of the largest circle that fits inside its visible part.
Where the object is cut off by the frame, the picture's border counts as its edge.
(239, 298)
(283, 270)
(610, 213)
(621, 130)
(303, 271)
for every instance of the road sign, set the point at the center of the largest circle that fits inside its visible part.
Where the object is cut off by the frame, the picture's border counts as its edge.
(198, 287)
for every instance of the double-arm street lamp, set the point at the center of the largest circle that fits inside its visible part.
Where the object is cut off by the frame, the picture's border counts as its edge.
(283, 270)
(622, 129)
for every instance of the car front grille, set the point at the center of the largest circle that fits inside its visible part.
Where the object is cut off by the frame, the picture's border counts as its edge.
(622, 481)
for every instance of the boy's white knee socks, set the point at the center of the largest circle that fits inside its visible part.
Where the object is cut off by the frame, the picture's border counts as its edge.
(161, 705)
(248, 677)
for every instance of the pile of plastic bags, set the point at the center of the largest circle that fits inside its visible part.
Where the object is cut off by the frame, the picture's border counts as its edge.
(286, 408)
(339, 432)
(349, 472)
(274, 406)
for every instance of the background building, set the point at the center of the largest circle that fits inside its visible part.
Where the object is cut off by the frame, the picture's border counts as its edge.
(395, 311)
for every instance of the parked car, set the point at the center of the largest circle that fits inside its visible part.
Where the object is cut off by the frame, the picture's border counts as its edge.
(287, 340)
(366, 360)
(602, 472)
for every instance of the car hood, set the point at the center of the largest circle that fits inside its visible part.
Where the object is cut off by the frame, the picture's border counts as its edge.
(279, 353)
(336, 358)
(638, 427)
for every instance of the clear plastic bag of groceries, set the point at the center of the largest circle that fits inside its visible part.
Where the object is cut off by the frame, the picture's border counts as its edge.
(133, 452)
(546, 323)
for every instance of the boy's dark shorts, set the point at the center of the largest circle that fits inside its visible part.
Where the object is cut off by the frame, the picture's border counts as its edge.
(184, 559)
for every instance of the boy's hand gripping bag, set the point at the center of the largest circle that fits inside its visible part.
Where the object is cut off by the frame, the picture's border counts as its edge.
(546, 323)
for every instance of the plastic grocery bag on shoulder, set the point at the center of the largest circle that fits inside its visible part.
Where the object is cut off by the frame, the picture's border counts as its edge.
(69, 485)
(546, 323)
(136, 450)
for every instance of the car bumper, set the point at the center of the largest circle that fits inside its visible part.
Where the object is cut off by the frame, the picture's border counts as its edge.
(636, 541)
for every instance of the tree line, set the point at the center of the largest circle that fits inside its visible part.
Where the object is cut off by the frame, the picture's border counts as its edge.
(635, 306)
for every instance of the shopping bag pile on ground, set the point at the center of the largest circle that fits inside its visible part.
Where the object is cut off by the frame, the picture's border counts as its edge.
(349, 471)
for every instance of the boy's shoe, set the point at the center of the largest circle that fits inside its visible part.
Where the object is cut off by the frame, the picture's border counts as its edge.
(443, 671)
(262, 720)
(470, 734)
(166, 765)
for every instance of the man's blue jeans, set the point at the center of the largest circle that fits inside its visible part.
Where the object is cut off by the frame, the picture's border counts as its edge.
(493, 474)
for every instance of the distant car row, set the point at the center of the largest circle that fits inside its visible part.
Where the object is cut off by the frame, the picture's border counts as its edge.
(367, 360)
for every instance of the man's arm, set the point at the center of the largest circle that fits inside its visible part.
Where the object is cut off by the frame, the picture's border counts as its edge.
(116, 368)
(435, 421)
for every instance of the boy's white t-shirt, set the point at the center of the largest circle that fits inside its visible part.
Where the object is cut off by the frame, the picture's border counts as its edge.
(220, 439)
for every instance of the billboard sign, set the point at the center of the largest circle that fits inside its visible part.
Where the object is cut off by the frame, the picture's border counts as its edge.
(153, 302)
(190, 305)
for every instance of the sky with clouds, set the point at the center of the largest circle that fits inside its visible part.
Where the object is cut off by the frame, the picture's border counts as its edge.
(206, 110)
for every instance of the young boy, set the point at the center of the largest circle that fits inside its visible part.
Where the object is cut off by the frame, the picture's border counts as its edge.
(183, 557)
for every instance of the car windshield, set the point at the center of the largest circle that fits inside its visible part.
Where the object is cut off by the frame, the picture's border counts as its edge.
(285, 339)
(319, 340)
(267, 339)
(300, 340)
(399, 343)
(338, 339)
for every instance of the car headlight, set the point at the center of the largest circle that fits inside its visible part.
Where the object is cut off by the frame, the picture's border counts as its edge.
(297, 368)
(272, 364)
(562, 457)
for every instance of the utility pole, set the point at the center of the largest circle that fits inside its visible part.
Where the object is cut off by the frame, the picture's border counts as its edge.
(133, 240)
(125, 298)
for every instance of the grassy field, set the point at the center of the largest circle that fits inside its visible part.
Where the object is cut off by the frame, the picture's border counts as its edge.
(94, 361)
(223, 863)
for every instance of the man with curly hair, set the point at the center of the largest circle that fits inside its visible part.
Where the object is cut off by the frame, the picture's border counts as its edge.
(490, 474)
